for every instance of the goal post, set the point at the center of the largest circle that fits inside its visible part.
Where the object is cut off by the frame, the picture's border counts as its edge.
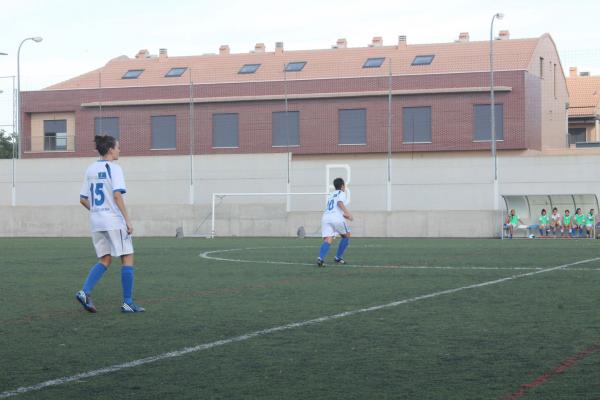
(287, 196)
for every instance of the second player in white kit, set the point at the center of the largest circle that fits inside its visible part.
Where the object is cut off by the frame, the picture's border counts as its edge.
(334, 222)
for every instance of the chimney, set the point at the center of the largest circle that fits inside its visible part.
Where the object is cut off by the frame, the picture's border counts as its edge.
(162, 54)
(224, 50)
(341, 43)
(377, 41)
(572, 72)
(402, 40)
(143, 53)
(504, 35)
(278, 47)
(463, 37)
(259, 48)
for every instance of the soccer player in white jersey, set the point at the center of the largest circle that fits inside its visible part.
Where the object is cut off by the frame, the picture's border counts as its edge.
(102, 193)
(334, 221)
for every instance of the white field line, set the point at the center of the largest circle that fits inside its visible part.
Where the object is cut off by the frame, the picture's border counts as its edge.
(251, 335)
(208, 255)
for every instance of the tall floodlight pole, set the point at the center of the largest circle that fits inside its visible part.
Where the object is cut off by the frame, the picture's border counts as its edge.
(36, 39)
(13, 187)
(493, 111)
(389, 140)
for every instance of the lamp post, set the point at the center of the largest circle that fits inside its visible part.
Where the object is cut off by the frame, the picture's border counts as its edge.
(36, 39)
(492, 109)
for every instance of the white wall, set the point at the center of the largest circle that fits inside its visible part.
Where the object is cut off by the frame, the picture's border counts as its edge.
(427, 188)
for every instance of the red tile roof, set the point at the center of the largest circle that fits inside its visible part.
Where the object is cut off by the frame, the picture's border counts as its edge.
(584, 95)
(509, 54)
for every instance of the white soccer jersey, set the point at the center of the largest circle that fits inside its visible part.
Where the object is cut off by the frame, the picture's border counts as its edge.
(101, 180)
(332, 210)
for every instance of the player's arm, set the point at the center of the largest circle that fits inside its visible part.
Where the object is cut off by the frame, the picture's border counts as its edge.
(84, 202)
(347, 214)
(121, 204)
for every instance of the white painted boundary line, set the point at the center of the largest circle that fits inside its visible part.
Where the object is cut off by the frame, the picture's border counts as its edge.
(281, 328)
(207, 255)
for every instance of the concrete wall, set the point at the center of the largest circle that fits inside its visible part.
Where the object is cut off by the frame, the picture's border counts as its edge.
(433, 194)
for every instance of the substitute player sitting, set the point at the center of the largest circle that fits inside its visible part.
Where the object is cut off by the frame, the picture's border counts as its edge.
(334, 221)
(589, 223)
(512, 222)
(555, 222)
(102, 193)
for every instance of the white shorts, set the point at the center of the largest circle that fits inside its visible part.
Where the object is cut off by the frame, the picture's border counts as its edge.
(116, 243)
(330, 228)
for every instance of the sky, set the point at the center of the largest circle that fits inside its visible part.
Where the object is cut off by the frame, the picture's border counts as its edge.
(79, 36)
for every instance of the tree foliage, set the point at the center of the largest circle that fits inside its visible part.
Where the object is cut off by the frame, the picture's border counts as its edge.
(6, 145)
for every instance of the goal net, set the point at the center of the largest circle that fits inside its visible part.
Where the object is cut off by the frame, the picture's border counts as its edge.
(266, 214)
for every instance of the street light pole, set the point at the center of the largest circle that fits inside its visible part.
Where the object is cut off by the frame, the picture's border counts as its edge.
(493, 111)
(36, 39)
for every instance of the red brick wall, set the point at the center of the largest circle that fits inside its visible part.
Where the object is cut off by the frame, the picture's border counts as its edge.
(452, 115)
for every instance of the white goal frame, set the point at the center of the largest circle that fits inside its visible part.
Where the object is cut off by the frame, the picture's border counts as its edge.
(216, 196)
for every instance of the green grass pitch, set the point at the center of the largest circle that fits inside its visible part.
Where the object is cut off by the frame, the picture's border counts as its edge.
(477, 342)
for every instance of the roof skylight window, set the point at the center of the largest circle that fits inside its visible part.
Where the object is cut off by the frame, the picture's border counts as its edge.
(132, 74)
(249, 68)
(295, 66)
(175, 72)
(423, 60)
(374, 62)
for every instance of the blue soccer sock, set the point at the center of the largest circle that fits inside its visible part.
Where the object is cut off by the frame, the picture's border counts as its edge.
(127, 283)
(342, 247)
(324, 249)
(93, 277)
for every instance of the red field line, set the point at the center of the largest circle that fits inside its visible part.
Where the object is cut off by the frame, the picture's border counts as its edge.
(559, 369)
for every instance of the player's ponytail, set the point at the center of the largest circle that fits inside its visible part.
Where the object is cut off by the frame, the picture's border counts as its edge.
(104, 143)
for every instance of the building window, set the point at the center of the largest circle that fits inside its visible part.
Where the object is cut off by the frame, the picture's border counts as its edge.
(423, 60)
(164, 132)
(225, 130)
(286, 130)
(541, 67)
(577, 135)
(249, 68)
(483, 122)
(175, 72)
(55, 135)
(132, 74)
(374, 62)
(353, 126)
(107, 126)
(554, 80)
(295, 66)
(416, 124)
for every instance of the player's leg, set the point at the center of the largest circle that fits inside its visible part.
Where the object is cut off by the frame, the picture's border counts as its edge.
(345, 233)
(123, 247)
(102, 248)
(510, 231)
(327, 233)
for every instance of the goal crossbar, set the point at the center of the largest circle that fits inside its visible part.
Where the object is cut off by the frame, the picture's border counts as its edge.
(216, 196)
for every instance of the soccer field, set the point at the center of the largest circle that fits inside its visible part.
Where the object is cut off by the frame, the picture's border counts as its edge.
(255, 318)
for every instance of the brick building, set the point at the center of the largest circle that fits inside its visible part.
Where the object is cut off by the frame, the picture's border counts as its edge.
(584, 108)
(308, 102)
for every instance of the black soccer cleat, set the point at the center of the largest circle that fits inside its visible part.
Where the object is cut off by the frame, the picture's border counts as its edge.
(320, 263)
(339, 260)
